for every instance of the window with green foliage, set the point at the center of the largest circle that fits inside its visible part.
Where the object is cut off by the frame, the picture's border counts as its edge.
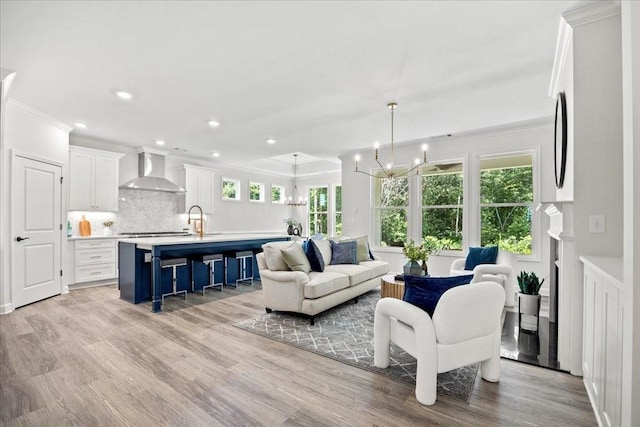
(442, 204)
(318, 210)
(277, 194)
(230, 189)
(256, 192)
(506, 202)
(391, 208)
(338, 211)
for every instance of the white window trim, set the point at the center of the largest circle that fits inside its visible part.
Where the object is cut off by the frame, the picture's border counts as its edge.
(238, 190)
(261, 200)
(465, 194)
(375, 231)
(536, 237)
(282, 194)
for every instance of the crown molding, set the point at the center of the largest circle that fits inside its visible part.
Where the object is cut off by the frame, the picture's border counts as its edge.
(591, 13)
(39, 114)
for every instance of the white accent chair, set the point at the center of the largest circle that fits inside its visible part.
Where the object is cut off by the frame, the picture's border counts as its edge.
(502, 272)
(465, 329)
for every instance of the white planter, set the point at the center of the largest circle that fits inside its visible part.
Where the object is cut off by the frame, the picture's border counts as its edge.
(529, 304)
(107, 231)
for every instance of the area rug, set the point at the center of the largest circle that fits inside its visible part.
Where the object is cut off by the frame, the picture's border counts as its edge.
(345, 334)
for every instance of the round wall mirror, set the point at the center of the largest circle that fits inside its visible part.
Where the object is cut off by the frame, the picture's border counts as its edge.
(560, 139)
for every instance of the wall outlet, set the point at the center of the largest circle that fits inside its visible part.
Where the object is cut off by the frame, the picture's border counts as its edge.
(596, 224)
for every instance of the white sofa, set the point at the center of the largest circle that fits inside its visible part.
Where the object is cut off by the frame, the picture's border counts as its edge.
(314, 292)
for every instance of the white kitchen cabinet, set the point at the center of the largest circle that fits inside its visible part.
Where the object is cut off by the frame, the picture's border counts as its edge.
(199, 183)
(93, 179)
(95, 260)
(603, 333)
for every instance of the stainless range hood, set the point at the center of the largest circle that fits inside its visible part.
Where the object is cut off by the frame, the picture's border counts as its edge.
(151, 174)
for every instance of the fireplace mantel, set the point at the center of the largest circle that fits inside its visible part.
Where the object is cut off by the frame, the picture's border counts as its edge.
(560, 220)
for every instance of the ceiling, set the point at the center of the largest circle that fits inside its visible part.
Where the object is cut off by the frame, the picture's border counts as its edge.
(314, 76)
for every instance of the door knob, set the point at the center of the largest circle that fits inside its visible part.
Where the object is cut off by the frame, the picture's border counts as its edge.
(20, 239)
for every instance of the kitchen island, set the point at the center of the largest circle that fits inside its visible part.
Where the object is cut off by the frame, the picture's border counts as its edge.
(140, 272)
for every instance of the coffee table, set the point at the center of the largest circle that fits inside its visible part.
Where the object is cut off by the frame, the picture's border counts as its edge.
(391, 287)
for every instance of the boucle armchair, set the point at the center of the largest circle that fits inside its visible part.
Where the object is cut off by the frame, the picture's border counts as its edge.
(465, 328)
(502, 272)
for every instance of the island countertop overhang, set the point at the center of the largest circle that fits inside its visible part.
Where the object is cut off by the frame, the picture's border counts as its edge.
(149, 243)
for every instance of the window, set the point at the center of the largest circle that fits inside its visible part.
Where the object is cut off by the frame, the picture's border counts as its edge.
(230, 189)
(318, 212)
(277, 194)
(392, 202)
(506, 202)
(338, 211)
(256, 192)
(442, 204)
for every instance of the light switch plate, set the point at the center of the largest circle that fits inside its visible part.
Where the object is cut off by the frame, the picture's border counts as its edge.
(596, 224)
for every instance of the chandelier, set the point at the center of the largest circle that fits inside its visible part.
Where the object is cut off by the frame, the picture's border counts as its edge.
(291, 201)
(388, 171)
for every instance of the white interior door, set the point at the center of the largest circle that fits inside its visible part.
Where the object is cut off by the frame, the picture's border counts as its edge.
(35, 223)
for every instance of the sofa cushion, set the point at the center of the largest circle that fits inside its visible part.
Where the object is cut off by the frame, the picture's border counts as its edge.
(296, 259)
(343, 252)
(425, 292)
(314, 256)
(273, 255)
(362, 249)
(356, 273)
(480, 255)
(325, 283)
(378, 268)
(325, 250)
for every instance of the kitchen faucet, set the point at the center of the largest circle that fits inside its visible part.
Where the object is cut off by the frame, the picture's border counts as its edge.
(201, 219)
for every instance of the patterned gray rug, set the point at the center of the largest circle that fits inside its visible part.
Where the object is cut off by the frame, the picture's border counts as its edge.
(345, 334)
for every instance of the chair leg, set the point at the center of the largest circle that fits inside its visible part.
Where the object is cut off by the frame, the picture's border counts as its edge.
(490, 368)
(426, 382)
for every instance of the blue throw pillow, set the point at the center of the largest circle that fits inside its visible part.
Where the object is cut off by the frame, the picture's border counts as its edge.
(344, 252)
(425, 292)
(480, 255)
(314, 256)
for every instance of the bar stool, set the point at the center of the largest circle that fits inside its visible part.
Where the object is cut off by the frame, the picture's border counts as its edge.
(210, 261)
(244, 259)
(174, 263)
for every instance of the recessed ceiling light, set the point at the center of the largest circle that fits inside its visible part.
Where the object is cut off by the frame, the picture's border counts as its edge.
(214, 124)
(124, 95)
(159, 142)
(271, 141)
(215, 154)
(80, 125)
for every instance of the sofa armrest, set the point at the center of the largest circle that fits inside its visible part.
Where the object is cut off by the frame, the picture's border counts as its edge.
(285, 276)
(283, 290)
(457, 264)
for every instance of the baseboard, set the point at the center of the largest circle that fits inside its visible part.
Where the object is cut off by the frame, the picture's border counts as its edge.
(6, 309)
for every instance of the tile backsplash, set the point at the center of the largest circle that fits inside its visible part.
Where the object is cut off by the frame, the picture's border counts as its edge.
(139, 211)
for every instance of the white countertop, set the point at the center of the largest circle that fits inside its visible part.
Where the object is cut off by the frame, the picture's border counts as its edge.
(96, 237)
(149, 242)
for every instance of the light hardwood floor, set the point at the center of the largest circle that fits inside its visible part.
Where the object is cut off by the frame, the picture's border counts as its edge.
(89, 358)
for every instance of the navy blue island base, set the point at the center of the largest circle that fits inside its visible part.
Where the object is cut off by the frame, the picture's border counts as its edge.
(140, 272)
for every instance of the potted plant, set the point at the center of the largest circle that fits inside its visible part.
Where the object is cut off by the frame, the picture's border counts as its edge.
(414, 253)
(529, 296)
(291, 224)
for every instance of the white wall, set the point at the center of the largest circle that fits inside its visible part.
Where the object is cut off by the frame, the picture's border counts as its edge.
(33, 133)
(534, 135)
